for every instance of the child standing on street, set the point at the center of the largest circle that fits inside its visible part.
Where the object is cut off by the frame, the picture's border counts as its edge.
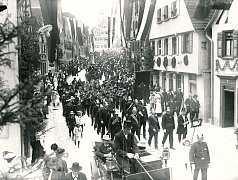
(186, 149)
(77, 134)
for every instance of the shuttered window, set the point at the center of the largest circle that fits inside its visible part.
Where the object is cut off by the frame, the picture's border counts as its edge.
(187, 43)
(174, 46)
(227, 44)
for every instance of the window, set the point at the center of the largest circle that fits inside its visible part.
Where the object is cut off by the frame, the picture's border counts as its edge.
(153, 46)
(178, 81)
(159, 47)
(166, 46)
(159, 19)
(166, 12)
(174, 9)
(174, 46)
(171, 87)
(187, 43)
(193, 83)
(164, 80)
(227, 44)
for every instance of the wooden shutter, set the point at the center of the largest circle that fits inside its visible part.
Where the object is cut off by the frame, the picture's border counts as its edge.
(219, 44)
(235, 44)
(182, 43)
(190, 42)
(177, 45)
(162, 47)
(170, 46)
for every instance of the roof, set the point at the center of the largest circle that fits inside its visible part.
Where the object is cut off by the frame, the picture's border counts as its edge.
(198, 24)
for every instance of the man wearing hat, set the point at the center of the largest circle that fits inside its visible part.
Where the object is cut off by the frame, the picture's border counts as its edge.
(194, 107)
(75, 174)
(182, 125)
(168, 126)
(106, 149)
(135, 121)
(71, 122)
(200, 157)
(115, 124)
(127, 151)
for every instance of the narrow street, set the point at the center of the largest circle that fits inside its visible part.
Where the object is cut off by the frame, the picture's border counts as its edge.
(220, 141)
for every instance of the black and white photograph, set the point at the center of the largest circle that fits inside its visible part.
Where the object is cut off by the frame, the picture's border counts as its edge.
(118, 90)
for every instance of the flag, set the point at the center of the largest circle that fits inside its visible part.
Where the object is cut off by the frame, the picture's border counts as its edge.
(109, 32)
(49, 14)
(113, 28)
(79, 35)
(71, 20)
(142, 81)
(146, 20)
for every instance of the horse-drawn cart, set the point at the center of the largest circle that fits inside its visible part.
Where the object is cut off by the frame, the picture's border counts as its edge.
(150, 162)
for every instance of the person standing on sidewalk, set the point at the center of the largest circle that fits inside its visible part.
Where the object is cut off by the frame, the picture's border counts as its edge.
(168, 126)
(154, 128)
(199, 155)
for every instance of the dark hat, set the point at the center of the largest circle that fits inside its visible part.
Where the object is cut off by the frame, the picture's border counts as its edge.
(76, 167)
(60, 151)
(195, 95)
(127, 124)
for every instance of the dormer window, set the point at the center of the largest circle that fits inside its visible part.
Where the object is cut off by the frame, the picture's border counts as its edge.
(166, 9)
(174, 9)
(159, 19)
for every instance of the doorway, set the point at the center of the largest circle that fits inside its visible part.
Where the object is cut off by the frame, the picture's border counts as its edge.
(228, 120)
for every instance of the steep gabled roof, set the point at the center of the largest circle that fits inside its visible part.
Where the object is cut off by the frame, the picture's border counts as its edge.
(198, 24)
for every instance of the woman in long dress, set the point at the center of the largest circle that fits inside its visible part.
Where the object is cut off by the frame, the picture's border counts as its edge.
(158, 104)
(58, 166)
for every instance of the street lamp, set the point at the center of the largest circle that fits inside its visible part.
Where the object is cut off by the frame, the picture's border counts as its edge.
(165, 155)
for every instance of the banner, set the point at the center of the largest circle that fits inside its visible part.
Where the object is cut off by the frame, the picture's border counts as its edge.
(142, 81)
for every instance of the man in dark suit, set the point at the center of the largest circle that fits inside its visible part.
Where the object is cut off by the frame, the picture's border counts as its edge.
(154, 128)
(104, 116)
(199, 155)
(75, 174)
(135, 121)
(127, 151)
(168, 126)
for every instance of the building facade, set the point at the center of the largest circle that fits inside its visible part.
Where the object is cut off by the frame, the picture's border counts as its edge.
(225, 67)
(181, 51)
(11, 134)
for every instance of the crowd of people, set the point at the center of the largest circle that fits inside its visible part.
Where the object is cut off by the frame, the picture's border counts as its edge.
(116, 115)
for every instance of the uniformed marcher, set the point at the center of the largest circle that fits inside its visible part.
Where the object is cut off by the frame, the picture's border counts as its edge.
(199, 155)
(168, 125)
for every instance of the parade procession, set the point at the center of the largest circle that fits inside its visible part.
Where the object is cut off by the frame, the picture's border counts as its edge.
(118, 90)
